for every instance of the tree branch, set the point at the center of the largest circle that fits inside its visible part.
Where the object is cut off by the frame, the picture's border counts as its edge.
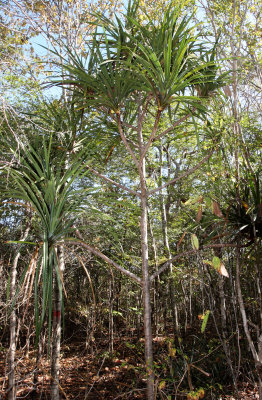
(132, 127)
(148, 99)
(167, 263)
(124, 139)
(188, 172)
(174, 125)
(188, 253)
(98, 253)
(150, 140)
(113, 182)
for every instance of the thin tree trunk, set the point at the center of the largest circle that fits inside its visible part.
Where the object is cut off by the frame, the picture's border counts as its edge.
(138, 315)
(110, 314)
(222, 305)
(185, 307)
(145, 270)
(257, 356)
(155, 291)
(146, 296)
(12, 349)
(167, 249)
(258, 282)
(226, 345)
(37, 362)
(56, 339)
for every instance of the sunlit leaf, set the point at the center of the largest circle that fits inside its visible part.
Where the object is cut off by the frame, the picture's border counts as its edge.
(162, 385)
(216, 263)
(208, 262)
(205, 319)
(194, 241)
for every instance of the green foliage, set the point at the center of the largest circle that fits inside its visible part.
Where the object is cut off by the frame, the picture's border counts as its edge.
(205, 320)
(47, 186)
(194, 241)
(216, 263)
(161, 60)
(165, 66)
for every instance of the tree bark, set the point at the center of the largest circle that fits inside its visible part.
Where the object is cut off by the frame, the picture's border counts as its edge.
(56, 328)
(145, 270)
(154, 308)
(12, 348)
(257, 356)
(146, 296)
(110, 313)
(167, 248)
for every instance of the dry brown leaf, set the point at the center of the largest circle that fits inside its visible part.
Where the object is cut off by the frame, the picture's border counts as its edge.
(180, 240)
(199, 214)
(222, 270)
(216, 210)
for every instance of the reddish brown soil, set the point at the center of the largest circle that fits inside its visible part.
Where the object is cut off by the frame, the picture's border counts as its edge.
(92, 377)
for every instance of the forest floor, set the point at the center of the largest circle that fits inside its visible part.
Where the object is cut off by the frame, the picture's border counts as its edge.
(98, 376)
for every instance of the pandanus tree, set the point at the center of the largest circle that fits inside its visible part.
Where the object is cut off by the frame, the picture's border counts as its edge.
(137, 75)
(43, 176)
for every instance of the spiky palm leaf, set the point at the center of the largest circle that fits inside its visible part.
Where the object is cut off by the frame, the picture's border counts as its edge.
(50, 188)
(165, 60)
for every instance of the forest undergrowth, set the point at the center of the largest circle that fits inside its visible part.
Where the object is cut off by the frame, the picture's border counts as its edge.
(188, 371)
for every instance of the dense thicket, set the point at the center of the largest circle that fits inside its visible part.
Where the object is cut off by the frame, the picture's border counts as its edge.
(131, 208)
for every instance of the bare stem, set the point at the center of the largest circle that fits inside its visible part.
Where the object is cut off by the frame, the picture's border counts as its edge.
(113, 182)
(174, 125)
(188, 172)
(125, 141)
(98, 253)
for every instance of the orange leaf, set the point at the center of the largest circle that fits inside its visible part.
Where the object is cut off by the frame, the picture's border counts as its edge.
(245, 205)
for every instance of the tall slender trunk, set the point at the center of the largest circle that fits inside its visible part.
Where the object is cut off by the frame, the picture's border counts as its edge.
(12, 348)
(110, 313)
(138, 315)
(145, 271)
(155, 313)
(257, 356)
(258, 281)
(146, 296)
(56, 328)
(224, 325)
(210, 295)
(171, 286)
(39, 353)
